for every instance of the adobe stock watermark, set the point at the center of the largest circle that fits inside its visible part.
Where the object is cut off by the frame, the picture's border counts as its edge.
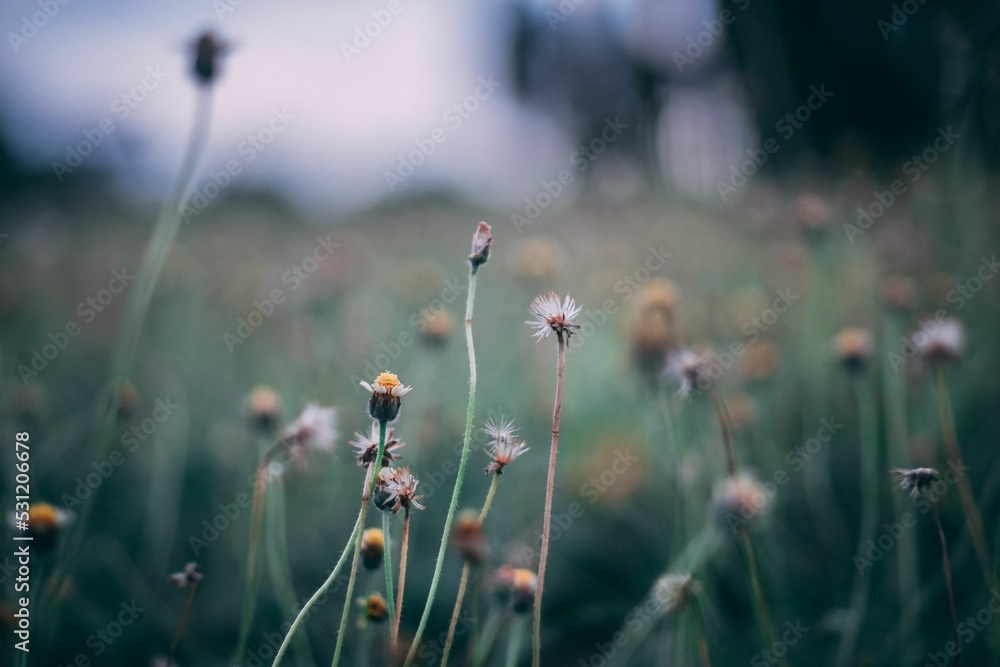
(697, 44)
(785, 127)
(364, 35)
(453, 117)
(103, 638)
(87, 310)
(248, 150)
(86, 486)
(562, 12)
(968, 628)
(34, 23)
(121, 108)
(295, 277)
(913, 169)
(877, 548)
(773, 654)
(580, 160)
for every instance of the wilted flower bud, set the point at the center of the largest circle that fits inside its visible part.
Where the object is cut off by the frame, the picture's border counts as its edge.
(207, 50)
(376, 609)
(481, 242)
(916, 479)
(523, 590)
(468, 538)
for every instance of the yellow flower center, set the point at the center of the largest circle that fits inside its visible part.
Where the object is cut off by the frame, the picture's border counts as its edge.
(387, 380)
(43, 515)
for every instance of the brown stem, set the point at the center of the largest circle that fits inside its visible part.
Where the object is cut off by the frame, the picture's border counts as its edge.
(760, 603)
(973, 517)
(394, 637)
(549, 488)
(727, 430)
(455, 613)
(182, 623)
(699, 631)
(945, 565)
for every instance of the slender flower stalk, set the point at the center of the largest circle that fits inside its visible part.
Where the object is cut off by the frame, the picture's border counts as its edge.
(370, 481)
(699, 632)
(481, 245)
(514, 642)
(314, 428)
(919, 480)
(390, 593)
(973, 516)
(403, 548)
(189, 578)
(550, 317)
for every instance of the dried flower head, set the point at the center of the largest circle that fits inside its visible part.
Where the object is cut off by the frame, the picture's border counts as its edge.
(401, 490)
(853, 348)
(916, 479)
(189, 577)
(738, 500)
(551, 315)
(263, 407)
(675, 590)
(481, 242)
(468, 538)
(504, 447)
(376, 609)
(207, 50)
(386, 391)
(436, 327)
(689, 370)
(372, 547)
(314, 428)
(940, 341)
(366, 446)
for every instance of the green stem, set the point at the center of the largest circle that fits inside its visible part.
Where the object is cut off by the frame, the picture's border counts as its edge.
(253, 550)
(278, 566)
(536, 651)
(365, 497)
(699, 632)
(946, 566)
(466, 441)
(870, 479)
(319, 594)
(464, 582)
(390, 595)
(514, 643)
(973, 517)
(760, 602)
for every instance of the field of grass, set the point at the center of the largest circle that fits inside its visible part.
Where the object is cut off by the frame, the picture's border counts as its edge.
(254, 293)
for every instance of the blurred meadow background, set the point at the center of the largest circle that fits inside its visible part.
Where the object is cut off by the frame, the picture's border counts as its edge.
(743, 179)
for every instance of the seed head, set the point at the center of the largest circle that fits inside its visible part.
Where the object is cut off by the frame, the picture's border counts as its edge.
(481, 242)
(504, 446)
(853, 347)
(314, 428)
(366, 446)
(386, 391)
(401, 490)
(372, 547)
(551, 315)
(188, 577)
(940, 342)
(916, 479)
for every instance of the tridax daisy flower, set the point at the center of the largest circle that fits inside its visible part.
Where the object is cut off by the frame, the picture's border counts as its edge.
(386, 391)
(43, 525)
(940, 341)
(366, 446)
(551, 315)
(263, 408)
(689, 370)
(504, 447)
(916, 479)
(372, 548)
(853, 347)
(190, 576)
(314, 428)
